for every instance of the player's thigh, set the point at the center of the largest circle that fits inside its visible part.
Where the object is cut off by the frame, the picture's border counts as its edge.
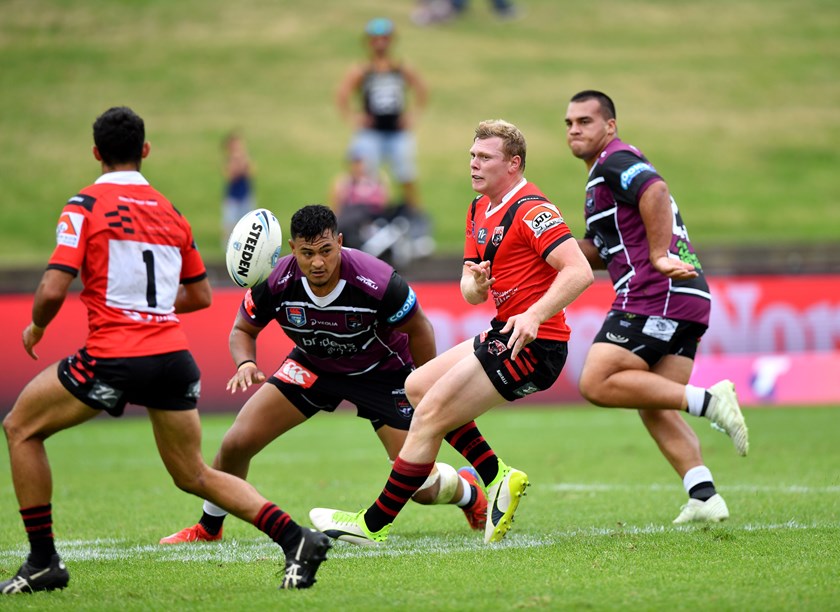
(266, 415)
(422, 379)
(461, 394)
(392, 439)
(45, 407)
(604, 359)
(178, 438)
(674, 367)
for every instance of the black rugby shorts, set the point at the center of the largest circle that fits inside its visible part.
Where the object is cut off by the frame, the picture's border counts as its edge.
(170, 381)
(651, 337)
(379, 396)
(536, 368)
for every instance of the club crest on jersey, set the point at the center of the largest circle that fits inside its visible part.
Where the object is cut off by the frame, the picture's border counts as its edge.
(498, 234)
(482, 236)
(69, 229)
(590, 200)
(353, 320)
(541, 218)
(296, 315)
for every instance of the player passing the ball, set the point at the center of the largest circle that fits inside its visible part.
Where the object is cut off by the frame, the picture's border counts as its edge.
(358, 331)
(140, 269)
(644, 354)
(520, 252)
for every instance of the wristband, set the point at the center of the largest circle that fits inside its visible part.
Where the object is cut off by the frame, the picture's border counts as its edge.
(242, 363)
(37, 327)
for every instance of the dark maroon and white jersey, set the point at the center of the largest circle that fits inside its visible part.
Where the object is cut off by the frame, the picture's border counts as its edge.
(351, 330)
(614, 223)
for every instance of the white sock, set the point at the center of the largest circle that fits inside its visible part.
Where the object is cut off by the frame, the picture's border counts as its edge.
(695, 476)
(213, 510)
(695, 396)
(467, 496)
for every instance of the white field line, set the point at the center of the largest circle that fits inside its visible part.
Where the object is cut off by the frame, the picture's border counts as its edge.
(246, 551)
(608, 487)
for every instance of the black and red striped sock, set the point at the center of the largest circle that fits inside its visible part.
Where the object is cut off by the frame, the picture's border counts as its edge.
(468, 441)
(403, 482)
(279, 526)
(38, 524)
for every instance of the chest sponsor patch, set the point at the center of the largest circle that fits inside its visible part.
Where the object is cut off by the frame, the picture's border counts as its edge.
(292, 372)
(69, 229)
(541, 218)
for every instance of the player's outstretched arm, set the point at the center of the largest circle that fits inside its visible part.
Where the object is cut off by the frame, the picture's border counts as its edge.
(49, 296)
(574, 275)
(243, 349)
(476, 282)
(421, 337)
(194, 296)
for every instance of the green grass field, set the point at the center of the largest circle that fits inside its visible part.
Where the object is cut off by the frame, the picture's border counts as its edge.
(737, 104)
(594, 531)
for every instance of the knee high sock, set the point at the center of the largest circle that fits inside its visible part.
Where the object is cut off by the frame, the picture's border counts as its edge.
(38, 524)
(403, 482)
(279, 526)
(468, 441)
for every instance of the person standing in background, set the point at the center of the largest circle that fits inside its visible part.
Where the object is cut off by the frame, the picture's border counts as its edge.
(238, 196)
(391, 97)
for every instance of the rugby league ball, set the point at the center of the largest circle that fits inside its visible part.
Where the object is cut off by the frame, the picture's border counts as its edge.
(253, 247)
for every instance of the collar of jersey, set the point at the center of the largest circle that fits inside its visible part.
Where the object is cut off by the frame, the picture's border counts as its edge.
(123, 177)
(491, 211)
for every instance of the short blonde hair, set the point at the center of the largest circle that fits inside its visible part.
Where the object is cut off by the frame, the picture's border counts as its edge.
(513, 142)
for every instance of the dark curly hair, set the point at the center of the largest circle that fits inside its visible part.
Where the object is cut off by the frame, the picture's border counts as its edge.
(119, 134)
(312, 221)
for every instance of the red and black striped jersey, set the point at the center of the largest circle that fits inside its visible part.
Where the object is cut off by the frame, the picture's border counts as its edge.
(516, 236)
(133, 249)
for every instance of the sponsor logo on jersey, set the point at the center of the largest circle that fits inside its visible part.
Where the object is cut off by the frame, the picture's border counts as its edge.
(541, 218)
(293, 373)
(69, 229)
(353, 320)
(366, 281)
(498, 234)
(632, 172)
(296, 315)
(617, 339)
(482, 236)
(410, 300)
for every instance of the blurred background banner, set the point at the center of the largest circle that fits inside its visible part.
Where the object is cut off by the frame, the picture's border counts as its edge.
(776, 337)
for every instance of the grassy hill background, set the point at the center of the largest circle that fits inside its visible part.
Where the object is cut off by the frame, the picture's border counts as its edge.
(736, 103)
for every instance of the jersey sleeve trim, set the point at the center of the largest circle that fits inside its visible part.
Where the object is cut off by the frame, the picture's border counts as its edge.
(194, 279)
(554, 245)
(63, 268)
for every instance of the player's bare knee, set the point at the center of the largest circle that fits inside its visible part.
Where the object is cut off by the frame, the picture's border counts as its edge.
(592, 390)
(415, 388)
